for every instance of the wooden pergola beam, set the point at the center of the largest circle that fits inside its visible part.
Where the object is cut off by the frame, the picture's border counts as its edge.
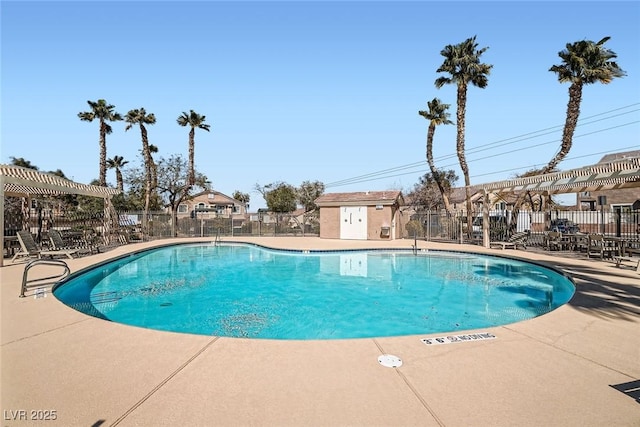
(623, 173)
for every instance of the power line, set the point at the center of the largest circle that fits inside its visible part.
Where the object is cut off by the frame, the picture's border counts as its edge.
(474, 150)
(566, 158)
(518, 168)
(375, 176)
(383, 174)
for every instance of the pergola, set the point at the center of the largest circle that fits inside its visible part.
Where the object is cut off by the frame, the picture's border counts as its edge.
(618, 174)
(17, 181)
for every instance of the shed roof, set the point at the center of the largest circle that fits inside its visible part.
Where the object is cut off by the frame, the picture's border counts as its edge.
(359, 198)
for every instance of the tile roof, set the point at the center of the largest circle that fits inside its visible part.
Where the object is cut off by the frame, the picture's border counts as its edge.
(618, 156)
(367, 197)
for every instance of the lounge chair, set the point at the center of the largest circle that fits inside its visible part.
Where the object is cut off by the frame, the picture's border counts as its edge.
(29, 248)
(517, 239)
(58, 243)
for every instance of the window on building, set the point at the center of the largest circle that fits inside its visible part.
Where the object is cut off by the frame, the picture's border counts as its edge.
(183, 208)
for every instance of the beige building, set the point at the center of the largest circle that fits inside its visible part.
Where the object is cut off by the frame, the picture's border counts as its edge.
(371, 215)
(212, 204)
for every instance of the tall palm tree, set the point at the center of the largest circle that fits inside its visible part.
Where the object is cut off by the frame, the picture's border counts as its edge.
(583, 62)
(117, 163)
(141, 118)
(462, 62)
(194, 120)
(154, 167)
(437, 114)
(103, 112)
(22, 162)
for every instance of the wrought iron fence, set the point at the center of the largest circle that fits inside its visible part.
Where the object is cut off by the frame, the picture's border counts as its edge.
(452, 227)
(210, 225)
(428, 225)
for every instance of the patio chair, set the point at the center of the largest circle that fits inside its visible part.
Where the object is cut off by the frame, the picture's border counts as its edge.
(598, 247)
(553, 240)
(58, 243)
(517, 239)
(29, 248)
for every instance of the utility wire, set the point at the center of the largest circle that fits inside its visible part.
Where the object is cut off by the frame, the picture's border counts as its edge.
(366, 178)
(477, 149)
(519, 168)
(486, 147)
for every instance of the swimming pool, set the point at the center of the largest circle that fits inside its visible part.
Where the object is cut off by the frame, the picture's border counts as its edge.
(244, 290)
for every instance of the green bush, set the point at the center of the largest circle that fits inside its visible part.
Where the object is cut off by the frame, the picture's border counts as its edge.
(414, 228)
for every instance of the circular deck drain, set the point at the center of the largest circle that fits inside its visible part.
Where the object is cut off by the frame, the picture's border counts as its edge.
(390, 361)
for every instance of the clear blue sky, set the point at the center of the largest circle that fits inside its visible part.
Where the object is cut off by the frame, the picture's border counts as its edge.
(299, 91)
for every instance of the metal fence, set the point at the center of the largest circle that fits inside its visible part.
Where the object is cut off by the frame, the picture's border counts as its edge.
(159, 225)
(428, 225)
(452, 227)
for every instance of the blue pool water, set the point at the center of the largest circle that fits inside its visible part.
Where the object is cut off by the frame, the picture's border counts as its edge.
(249, 291)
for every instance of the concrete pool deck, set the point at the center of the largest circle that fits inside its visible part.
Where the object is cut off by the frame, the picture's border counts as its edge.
(576, 366)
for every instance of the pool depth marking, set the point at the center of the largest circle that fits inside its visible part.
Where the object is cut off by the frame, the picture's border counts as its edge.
(450, 339)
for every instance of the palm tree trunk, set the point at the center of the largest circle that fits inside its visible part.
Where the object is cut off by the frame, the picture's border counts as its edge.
(148, 180)
(573, 112)
(192, 174)
(460, 116)
(436, 174)
(119, 180)
(103, 154)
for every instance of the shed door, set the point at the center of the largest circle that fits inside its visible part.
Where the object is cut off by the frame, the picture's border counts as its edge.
(353, 222)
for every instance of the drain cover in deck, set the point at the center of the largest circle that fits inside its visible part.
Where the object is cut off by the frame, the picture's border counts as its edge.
(390, 361)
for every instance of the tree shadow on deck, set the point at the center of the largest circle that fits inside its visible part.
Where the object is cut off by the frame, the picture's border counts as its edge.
(603, 290)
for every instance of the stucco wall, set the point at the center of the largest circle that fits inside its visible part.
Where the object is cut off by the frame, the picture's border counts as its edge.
(330, 222)
(376, 219)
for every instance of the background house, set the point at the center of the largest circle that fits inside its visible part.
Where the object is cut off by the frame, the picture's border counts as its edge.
(371, 215)
(212, 204)
(622, 198)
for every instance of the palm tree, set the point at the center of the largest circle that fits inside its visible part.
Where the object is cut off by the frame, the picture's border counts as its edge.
(103, 112)
(141, 118)
(117, 163)
(194, 120)
(583, 62)
(154, 167)
(462, 62)
(22, 162)
(243, 198)
(437, 115)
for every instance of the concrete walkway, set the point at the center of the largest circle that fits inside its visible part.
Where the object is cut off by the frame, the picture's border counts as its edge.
(576, 366)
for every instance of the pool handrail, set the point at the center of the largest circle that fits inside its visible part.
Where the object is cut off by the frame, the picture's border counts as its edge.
(35, 262)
